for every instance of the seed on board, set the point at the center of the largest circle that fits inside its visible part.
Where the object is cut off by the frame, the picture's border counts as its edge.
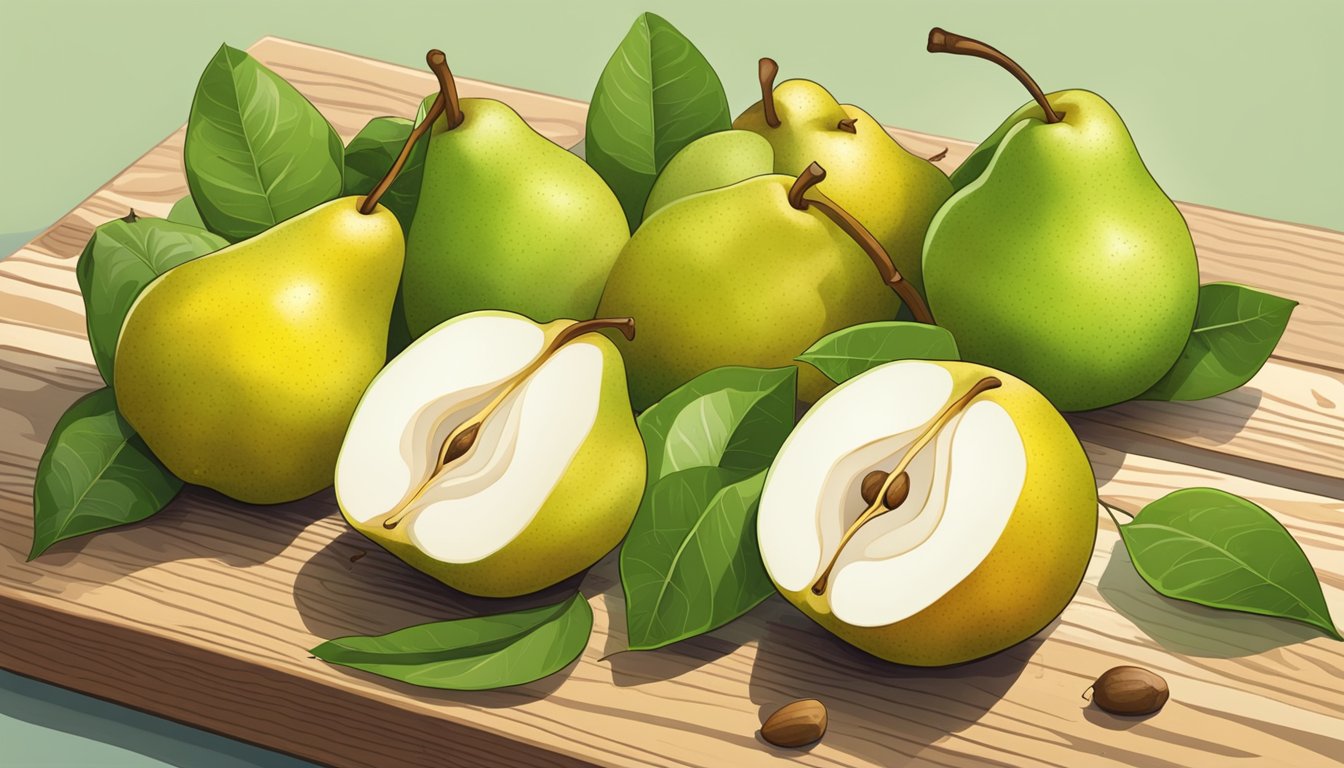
(1129, 690)
(795, 724)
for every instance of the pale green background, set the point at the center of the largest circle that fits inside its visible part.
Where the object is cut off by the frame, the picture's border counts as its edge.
(1233, 103)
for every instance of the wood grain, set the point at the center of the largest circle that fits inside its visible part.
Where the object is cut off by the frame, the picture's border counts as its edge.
(204, 613)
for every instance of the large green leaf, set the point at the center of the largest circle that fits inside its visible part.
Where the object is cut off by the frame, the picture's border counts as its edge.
(656, 95)
(95, 473)
(732, 417)
(257, 152)
(475, 653)
(1236, 330)
(123, 257)
(690, 563)
(850, 351)
(1216, 549)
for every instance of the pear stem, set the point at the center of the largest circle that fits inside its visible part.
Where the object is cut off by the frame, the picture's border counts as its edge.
(813, 175)
(435, 109)
(898, 476)
(438, 64)
(942, 41)
(766, 71)
(847, 125)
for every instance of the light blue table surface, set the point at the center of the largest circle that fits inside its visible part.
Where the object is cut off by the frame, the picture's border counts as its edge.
(1233, 103)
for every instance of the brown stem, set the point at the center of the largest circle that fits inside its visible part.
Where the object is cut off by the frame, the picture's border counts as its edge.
(942, 41)
(435, 109)
(438, 64)
(898, 478)
(847, 125)
(937, 156)
(813, 175)
(766, 70)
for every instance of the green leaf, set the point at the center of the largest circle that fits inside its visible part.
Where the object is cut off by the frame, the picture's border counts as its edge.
(184, 212)
(1236, 330)
(1216, 549)
(690, 563)
(123, 257)
(472, 654)
(257, 152)
(96, 473)
(656, 95)
(850, 351)
(734, 418)
(371, 153)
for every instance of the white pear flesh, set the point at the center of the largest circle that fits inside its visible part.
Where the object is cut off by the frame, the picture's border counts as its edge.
(989, 544)
(553, 476)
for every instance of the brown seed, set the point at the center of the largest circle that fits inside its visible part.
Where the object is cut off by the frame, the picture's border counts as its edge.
(1130, 691)
(872, 483)
(795, 724)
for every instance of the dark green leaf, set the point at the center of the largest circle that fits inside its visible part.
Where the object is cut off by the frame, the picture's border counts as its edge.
(850, 351)
(257, 152)
(371, 153)
(472, 654)
(121, 259)
(656, 95)
(184, 212)
(734, 418)
(1216, 549)
(96, 473)
(690, 563)
(1236, 330)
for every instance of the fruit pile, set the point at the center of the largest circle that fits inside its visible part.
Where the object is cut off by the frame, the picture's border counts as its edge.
(455, 322)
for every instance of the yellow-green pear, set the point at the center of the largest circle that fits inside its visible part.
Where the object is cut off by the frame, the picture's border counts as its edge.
(495, 454)
(893, 192)
(929, 512)
(710, 162)
(241, 369)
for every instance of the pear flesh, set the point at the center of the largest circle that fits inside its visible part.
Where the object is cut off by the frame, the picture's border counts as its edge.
(241, 369)
(549, 483)
(985, 549)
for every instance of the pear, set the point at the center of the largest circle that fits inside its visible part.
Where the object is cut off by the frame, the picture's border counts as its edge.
(749, 274)
(1085, 278)
(506, 219)
(711, 161)
(929, 512)
(241, 369)
(495, 454)
(891, 191)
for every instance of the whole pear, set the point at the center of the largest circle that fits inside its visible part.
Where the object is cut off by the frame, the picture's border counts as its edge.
(891, 191)
(241, 369)
(749, 274)
(506, 220)
(1085, 280)
(710, 162)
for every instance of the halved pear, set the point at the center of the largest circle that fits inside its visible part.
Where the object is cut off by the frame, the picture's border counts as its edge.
(497, 455)
(930, 513)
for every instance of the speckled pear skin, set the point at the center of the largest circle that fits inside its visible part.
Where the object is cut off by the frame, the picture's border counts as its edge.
(507, 220)
(1060, 260)
(1029, 576)
(737, 276)
(710, 162)
(585, 517)
(892, 192)
(241, 369)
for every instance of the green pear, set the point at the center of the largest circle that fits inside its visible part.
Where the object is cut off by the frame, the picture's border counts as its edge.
(498, 455)
(1085, 280)
(710, 162)
(506, 220)
(241, 369)
(894, 193)
(748, 274)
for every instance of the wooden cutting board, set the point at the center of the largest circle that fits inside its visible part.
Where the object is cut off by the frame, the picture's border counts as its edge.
(204, 613)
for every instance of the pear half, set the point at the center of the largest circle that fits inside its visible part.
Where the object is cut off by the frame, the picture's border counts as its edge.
(930, 513)
(497, 455)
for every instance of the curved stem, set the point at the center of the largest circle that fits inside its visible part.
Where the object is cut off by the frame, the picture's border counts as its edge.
(942, 41)
(435, 109)
(766, 70)
(438, 64)
(813, 175)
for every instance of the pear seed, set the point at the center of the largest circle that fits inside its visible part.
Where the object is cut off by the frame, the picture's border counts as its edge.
(795, 724)
(872, 484)
(1128, 690)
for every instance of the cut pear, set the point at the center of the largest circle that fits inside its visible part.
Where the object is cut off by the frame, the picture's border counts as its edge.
(913, 492)
(463, 453)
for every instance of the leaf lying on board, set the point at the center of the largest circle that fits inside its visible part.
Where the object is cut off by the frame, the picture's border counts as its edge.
(1217, 549)
(96, 473)
(850, 351)
(1236, 330)
(472, 654)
